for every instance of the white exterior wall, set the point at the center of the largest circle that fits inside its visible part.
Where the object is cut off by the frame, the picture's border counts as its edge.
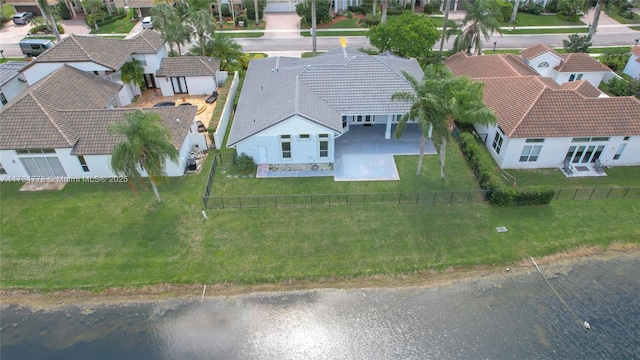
(594, 78)
(201, 85)
(40, 70)
(223, 122)
(12, 165)
(12, 88)
(633, 67)
(302, 151)
(165, 86)
(547, 57)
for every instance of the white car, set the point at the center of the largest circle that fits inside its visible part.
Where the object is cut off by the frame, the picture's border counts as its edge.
(147, 23)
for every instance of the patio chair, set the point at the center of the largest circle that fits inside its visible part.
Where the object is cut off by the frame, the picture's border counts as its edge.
(567, 168)
(598, 166)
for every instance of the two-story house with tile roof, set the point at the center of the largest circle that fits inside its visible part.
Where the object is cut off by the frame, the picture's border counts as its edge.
(103, 57)
(543, 124)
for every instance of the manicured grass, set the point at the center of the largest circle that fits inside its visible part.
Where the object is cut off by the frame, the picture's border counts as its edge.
(458, 178)
(623, 20)
(122, 26)
(94, 236)
(335, 33)
(636, 28)
(623, 176)
(2, 61)
(548, 31)
(524, 19)
(239, 34)
(310, 54)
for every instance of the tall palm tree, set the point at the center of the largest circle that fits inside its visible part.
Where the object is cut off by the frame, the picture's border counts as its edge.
(437, 100)
(444, 25)
(146, 146)
(132, 73)
(479, 22)
(224, 48)
(203, 26)
(314, 27)
(46, 12)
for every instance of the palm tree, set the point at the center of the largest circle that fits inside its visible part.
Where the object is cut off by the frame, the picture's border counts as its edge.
(436, 101)
(132, 72)
(314, 27)
(514, 13)
(147, 146)
(203, 25)
(224, 48)
(479, 21)
(444, 25)
(46, 12)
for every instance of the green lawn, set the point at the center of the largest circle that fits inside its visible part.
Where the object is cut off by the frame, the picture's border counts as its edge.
(307, 33)
(94, 236)
(623, 20)
(2, 61)
(636, 28)
(122, 26)
(524, 19)
(548, 31)
(623, 176)
(239, 34)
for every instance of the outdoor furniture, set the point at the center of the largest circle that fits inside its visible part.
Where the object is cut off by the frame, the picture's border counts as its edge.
(598, 166)
(567, 168)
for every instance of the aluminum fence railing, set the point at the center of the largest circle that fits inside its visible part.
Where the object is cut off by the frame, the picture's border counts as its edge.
(597, 193)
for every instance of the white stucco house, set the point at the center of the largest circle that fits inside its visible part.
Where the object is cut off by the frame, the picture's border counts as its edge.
(291, 110)
(12, 82)
(103, 57)
(58, 128)
(194, 75)
(542, 124)
(633, 64)
(563, 68)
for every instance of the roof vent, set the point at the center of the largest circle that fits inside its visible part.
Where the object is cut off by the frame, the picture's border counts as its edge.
(177, 121)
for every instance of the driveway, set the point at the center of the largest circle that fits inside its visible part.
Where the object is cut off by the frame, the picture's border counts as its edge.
(282, 25)
(363, 154)
(11, 34)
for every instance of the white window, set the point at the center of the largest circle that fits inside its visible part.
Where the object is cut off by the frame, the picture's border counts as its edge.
(620, 151)
(323, 145)
(83, 163)
(530, 153)
(285, 146)
(304, 137)
(543, 64)
(3, 99)
(579, 77)
(497, 142)
(572, 77)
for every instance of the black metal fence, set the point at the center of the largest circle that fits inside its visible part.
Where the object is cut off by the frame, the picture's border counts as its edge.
(218, 159)
(258, 201)
(597, 193)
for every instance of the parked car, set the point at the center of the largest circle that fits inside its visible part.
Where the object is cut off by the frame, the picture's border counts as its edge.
(34, 47)
(165, 103)
(22, 18)
(147, 23)
(211, 99)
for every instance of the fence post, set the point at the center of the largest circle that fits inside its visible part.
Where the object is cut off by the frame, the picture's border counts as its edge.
(625, 193)
(451, 198)
(574, 194)
(609, 193)
(592, 191)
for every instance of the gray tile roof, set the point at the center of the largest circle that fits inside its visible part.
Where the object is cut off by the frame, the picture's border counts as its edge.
(188, 66)
(94, 138)
(111, 53)
(340, 82)
(9, 70)
(33, 120)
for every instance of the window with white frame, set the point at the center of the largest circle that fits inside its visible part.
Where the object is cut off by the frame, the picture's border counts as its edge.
(543, 64)
(530, 153)
(619, 151)
(3, 99)
(304, 136)
(285, 146)
(572, 77)
(497, 142)
(83, 163)
(323, 145)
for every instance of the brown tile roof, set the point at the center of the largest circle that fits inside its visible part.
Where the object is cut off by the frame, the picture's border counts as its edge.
(580, 62)
(111, 53)
(94, 139)
(146, 42)
(487, 65)
(535, 50)
(141, 3)
(32, 119)
(188, 66)
(635, 50)
(29, 2)
(582, 87)
(527, 107)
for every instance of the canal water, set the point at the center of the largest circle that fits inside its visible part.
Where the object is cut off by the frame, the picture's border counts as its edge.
(509, 316)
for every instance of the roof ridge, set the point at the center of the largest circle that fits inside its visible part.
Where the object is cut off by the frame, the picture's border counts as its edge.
(533, 103)
(51, 119)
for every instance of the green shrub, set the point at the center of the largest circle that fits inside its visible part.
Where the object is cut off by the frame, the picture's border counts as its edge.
(531, 8)
(111, 19)
(245, 163)
(43, 28)
(63, 10)
(370, 20)
(349, 15)
(362, 10)
(552, 6)
(4, 18)
(429, 9)
(501, 195)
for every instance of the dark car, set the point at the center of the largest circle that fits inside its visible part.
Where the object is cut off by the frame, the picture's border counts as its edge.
(165, 103)
(22, 18)
(211, 99)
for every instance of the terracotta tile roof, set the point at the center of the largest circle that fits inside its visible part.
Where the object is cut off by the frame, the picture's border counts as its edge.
(94, 138)
(33, 120)
(146, 42)
(580, 62)
(487, 65)
(535, 50)
(188, 66)
(635, 50)
(111, 53)
(582, 87)
(527, 107)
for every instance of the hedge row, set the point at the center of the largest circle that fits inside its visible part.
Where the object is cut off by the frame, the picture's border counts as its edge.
(108, 20)
(501, 195)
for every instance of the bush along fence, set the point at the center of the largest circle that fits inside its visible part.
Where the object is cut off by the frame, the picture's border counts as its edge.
(484, 169)
(218, 159)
